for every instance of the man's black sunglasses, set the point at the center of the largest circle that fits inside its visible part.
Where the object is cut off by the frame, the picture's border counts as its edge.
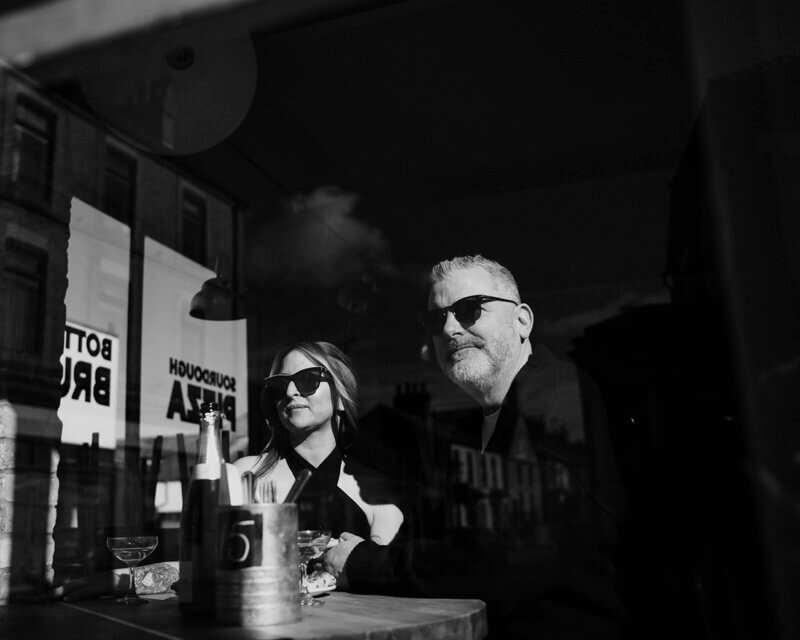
(466, 311)
(306, 381)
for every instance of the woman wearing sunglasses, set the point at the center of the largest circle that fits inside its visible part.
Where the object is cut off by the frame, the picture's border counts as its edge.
(309, 402)
(309, 405)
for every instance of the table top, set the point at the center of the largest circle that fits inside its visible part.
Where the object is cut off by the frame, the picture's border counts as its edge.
(344, 616)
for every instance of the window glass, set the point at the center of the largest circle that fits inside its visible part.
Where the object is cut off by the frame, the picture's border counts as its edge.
(183, 194)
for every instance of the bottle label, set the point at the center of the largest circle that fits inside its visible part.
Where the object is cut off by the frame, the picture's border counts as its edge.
(206, 471)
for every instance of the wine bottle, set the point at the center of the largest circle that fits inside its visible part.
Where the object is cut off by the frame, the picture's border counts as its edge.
(198, 527)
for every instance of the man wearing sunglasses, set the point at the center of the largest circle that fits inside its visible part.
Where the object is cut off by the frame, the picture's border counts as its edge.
(479, 328)
(549, 576)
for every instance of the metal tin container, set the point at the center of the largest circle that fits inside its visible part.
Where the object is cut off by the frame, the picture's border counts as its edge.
(257, 578)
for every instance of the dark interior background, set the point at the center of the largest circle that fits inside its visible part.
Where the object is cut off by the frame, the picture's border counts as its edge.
(578, 144)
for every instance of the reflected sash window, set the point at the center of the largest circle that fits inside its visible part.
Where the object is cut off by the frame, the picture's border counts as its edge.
(24, 273)
(34, 130)
(193, 226)
(119, 197)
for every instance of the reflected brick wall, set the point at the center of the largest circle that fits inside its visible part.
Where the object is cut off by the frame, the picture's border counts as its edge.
(28, 496)
(50, 153)
(34, 227)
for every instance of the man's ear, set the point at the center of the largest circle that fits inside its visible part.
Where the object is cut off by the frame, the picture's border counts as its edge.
(524, 321)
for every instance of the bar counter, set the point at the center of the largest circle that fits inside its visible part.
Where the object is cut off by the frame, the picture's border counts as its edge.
(345, 616)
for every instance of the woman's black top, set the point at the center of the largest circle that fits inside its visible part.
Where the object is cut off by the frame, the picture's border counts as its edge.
(322, 504)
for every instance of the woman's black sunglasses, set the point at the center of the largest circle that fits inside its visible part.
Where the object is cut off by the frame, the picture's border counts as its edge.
(466, 311)
(306, 381)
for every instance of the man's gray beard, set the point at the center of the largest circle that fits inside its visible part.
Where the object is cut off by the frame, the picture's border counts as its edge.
(480, 369)
(475, 372)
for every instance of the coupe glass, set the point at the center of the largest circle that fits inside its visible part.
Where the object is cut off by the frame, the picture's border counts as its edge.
(131, 550)
(312, 543)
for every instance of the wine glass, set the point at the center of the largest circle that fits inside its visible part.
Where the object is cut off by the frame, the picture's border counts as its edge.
(131, 550)
(312, 543)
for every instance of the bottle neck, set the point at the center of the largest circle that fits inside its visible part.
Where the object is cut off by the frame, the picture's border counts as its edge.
(209, 449)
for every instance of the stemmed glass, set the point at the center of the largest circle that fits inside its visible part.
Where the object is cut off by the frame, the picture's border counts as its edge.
(312, 543)
(131, 550)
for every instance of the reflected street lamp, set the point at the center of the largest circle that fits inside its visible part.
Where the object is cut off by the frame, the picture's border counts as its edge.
(216, 299)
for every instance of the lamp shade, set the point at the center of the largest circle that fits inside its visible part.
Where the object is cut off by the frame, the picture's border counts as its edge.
(216, 299)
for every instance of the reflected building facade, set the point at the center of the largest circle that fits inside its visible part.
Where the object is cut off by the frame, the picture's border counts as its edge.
(93, 232)
(449, 483)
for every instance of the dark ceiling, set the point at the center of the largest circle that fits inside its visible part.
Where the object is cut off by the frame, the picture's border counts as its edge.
(416, 105)
(423, 102)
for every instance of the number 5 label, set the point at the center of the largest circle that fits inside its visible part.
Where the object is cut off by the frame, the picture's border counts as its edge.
(240, 539)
